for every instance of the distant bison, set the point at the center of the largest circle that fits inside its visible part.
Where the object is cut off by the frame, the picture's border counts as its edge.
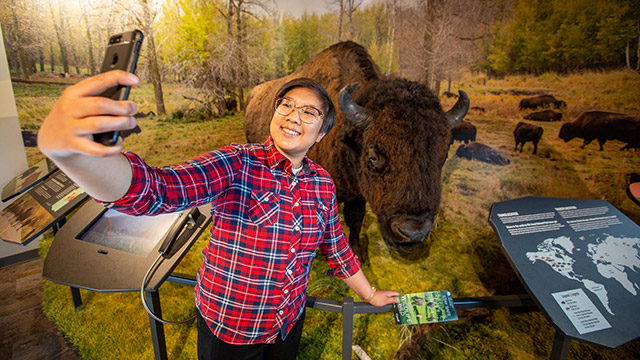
(540, 101)
(630, 146)
(603, 126)
(141, 115)
(464, 131)
(546, 115)
(478, 109)
(230, 104)
(29, 138)
(482, 152)
(527, 132)
(387, 147)
(449, 94)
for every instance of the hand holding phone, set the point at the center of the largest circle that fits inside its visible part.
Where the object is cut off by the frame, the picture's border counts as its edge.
(122, 53)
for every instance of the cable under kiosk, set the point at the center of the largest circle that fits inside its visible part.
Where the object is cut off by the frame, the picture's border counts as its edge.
(115, 252)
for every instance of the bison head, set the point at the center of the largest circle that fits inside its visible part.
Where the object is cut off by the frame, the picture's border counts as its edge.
(567, 131)
(402, 138)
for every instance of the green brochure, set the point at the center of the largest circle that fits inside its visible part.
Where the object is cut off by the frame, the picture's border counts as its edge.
(424, 307)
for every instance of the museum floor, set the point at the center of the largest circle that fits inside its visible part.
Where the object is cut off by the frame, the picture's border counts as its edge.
(25, 332)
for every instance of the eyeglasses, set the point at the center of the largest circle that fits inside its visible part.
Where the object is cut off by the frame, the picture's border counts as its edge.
(307, 114)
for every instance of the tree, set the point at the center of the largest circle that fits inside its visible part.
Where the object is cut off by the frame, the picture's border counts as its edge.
(438, 37)
(554, 35)
(147, 23)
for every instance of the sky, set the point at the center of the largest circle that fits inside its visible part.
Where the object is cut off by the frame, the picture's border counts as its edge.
(297, 7)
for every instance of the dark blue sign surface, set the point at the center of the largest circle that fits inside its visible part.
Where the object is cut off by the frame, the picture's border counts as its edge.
(579, 260)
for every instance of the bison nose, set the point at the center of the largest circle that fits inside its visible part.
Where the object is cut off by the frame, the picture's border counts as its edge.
(411, 229)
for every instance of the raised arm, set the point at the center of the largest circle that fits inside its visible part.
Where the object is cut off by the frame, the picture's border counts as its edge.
(65, 136)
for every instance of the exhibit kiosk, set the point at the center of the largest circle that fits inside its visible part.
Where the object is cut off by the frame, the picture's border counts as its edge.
(115, 252)
(578, 260)
(45, 196)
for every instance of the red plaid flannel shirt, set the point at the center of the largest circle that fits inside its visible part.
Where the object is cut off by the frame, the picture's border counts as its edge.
(266, 226)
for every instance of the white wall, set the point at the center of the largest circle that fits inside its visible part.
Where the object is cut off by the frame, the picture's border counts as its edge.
(13, 159)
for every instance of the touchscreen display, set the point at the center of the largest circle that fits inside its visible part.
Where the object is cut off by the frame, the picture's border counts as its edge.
(133, 234)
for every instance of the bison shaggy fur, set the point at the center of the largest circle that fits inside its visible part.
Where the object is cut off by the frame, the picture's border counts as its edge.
(541, 101)
(603, 126)
(527, 132)
(482, 152)
(546, 115)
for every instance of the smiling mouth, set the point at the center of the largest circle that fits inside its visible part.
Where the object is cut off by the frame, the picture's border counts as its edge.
(290, 132)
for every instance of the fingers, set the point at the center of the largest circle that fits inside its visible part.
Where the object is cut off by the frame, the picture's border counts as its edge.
(96, 85)
(384, 297)
(99, 124)
(80, 113)
(89, 147)
(91, 106)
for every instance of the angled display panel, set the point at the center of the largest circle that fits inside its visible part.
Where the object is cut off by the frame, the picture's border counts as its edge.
(579, 260)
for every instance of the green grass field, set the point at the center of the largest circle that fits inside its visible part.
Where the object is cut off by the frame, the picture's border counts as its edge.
(464, 257)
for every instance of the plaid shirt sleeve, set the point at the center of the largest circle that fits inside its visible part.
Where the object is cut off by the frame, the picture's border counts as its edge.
(157, 190)
(335, 245)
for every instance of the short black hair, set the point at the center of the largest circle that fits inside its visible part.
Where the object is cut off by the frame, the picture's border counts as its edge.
(328, 109)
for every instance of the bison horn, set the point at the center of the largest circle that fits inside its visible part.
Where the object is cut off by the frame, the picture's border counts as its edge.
(358, 115)
(459, 110)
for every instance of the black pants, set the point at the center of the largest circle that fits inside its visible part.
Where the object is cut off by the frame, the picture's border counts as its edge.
(212, 348)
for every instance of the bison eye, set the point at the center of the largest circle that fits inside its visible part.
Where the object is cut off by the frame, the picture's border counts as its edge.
(376, 159)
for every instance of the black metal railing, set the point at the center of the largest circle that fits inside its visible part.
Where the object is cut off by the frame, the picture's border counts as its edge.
(348, 308)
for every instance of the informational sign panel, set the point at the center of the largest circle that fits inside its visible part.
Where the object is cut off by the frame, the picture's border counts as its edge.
(38, 209)
(28, 179)
(580, 261)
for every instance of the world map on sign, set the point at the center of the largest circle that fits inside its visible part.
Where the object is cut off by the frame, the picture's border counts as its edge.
(612, 258)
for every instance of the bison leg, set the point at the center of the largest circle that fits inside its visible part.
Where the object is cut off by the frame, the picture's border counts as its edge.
(354, 211)
(601, 142)
(535, 147)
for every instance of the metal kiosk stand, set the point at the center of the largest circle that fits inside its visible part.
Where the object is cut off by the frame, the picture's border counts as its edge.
(573, 256)
(102, 250)
(46, 197)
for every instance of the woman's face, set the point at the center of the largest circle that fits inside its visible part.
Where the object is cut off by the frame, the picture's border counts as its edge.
(291, 136)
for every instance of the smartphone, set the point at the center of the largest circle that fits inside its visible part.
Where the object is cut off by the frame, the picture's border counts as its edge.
(121, 54)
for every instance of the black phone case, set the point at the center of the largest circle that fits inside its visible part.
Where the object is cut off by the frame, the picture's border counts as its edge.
(121, 54)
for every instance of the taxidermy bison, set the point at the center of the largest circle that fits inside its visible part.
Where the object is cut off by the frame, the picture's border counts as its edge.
(546, 115)
(387, 147)
(482, 152)
(464, 131)
(603, 126)
(540, 101)
(527, 132)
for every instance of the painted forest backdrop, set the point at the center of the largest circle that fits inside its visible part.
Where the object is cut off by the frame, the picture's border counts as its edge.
(222, 48)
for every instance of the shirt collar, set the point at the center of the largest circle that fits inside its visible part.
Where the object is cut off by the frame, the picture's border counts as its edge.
(275, 158)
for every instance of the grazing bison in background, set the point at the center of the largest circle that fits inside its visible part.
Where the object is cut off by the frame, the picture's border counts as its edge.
(482, 152)
(546, 115)
(603, 126)
(542, 100)
(387, 147)
(449, 94)
(464, 131)
(29, 138)
(230, 104)
(527, 132)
